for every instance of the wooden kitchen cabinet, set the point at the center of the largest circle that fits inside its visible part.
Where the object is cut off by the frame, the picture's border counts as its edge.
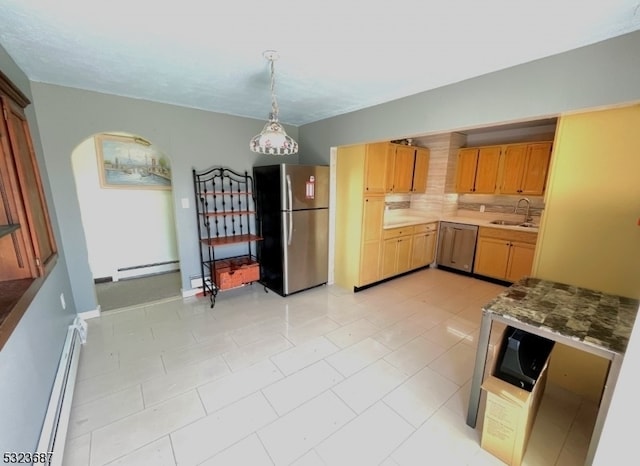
(420, 170)
(377, 166)
(504, 254)
(372, 223)
(525, 168)
(408, 169)
(477, 170)
(423, 250)
(403, 161)
(396, 251)
(359, 214)
(520, 260)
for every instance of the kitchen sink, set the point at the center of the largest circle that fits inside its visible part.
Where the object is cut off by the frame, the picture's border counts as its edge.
(514, 223)
(506, 222)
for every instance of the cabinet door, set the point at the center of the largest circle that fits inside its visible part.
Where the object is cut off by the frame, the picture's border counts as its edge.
(24, 252)
(513, 166)
(371, 241)
(423, 249)
(492, 257)
(536, 168)
(520, 261)
(487, 170)
(403, 169)
(419, 251)
(389, 254)
(466, 170)
(372, 218)
(370, 263)
(431, 247)
(376, 168)
(403, 259)
(420, 170)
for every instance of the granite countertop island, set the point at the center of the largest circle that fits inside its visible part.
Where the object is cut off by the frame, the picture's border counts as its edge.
(584, 315)
(591, 321)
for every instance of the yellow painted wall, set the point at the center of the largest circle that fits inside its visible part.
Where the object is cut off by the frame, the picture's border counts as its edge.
(589, 235)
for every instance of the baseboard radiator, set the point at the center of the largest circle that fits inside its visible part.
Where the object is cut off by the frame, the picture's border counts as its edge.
(56, 421)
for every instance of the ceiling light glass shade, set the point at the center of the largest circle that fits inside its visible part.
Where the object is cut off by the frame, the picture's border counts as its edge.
(273, 140)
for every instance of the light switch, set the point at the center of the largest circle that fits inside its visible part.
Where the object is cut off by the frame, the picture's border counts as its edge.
(185, 202)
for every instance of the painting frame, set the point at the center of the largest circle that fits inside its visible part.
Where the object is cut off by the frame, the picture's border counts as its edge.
(129, 162)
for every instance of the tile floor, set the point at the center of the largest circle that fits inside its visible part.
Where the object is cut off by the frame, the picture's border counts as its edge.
(323, 377)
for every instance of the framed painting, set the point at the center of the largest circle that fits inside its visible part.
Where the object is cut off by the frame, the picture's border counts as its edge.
(131, 163)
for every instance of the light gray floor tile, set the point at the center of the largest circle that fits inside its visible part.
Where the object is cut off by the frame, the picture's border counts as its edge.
(268, 370)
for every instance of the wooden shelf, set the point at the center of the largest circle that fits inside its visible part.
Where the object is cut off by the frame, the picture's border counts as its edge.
(225, 193)
(8, 229)
(225, 240)
(228, 213)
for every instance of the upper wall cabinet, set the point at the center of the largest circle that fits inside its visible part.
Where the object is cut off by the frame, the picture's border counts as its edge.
(377, 165)
(507, 169)
(420, 170)
(525, 168)
(408, 169)
(477, 170)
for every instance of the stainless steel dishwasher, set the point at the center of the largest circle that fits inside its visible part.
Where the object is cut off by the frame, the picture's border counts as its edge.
(457, 246)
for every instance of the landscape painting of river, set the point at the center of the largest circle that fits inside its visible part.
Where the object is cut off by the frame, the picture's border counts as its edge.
(128, 162)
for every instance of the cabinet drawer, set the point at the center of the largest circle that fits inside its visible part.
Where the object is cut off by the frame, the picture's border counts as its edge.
(423, 227)
(396, 232)
(509, 235)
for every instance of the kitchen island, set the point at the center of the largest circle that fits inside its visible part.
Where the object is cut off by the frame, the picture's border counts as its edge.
(588, 320)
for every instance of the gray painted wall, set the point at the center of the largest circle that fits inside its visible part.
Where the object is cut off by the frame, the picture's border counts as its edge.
(602, 74)
(29, 359)
(191, 138)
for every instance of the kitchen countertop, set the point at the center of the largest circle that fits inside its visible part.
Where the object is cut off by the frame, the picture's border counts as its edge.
(588, 320)
(584, 315)
(393, 220)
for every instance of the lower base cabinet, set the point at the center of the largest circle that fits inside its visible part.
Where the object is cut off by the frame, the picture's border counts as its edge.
(504, 254)
(423, 251)
(408, 248)
(396, 251)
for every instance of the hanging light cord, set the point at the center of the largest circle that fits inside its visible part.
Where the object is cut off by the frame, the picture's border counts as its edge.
(274, 102)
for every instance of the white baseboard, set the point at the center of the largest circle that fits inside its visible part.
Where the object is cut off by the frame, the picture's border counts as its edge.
(190, 293)
(145, 270)
(90, 314)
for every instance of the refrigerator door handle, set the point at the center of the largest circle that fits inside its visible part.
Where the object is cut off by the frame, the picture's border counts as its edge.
(289, 193)
(290, 237)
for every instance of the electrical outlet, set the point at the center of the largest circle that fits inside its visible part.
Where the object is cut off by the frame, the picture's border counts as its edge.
(62, 301)
(482, 208)
(185, 202)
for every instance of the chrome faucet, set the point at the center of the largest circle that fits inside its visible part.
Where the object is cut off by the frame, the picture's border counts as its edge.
(527, 217)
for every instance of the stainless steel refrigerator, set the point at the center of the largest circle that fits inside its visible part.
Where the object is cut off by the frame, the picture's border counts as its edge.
(292, 203)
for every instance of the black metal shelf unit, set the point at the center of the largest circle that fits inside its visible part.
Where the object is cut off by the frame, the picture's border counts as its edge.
(227, 229)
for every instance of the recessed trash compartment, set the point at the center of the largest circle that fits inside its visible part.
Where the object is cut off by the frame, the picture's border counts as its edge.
(514, 391)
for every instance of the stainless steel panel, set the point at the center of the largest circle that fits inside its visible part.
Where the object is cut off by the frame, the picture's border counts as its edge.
(306, 249)
(304, 186)
(457, 245)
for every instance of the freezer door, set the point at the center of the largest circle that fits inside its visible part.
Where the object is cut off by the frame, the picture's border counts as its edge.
(306, 249)
(304, 186)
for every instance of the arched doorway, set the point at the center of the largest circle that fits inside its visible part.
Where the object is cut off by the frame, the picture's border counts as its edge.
(124, 192)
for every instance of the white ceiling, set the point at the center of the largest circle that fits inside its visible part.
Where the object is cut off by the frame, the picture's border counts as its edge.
(336, 56)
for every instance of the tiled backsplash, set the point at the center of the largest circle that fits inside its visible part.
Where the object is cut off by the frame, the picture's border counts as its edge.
(499, 203)
(395, 205)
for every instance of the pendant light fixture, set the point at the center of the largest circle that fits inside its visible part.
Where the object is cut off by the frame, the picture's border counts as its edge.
(273, 139)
